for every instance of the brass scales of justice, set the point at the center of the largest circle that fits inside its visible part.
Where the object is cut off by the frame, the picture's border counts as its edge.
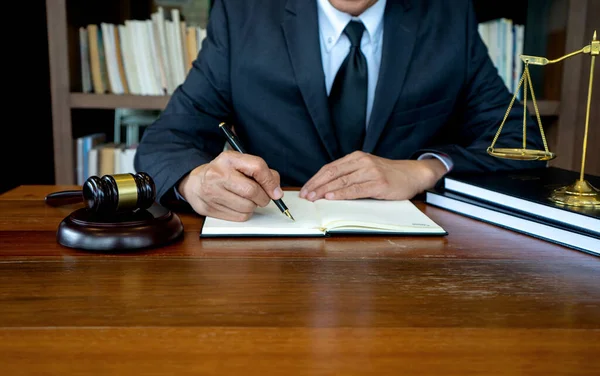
(580, 193)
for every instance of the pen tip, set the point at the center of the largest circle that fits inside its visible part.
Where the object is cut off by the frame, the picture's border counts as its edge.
(289, 215)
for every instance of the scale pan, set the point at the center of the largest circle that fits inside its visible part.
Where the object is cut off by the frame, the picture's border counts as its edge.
(522, 154)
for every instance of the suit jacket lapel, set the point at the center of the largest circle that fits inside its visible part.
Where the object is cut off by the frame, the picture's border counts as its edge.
(301, 31)
(399, 36)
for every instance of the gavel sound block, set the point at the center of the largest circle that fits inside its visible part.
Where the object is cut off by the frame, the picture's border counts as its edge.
(119, 214)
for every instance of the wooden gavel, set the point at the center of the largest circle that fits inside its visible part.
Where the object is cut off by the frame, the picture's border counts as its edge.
(110, 193)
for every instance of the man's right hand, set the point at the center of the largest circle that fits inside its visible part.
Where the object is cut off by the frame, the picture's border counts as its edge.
(231, 186)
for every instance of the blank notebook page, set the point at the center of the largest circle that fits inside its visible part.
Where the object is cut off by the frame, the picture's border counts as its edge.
(380, 214)
(270, 220)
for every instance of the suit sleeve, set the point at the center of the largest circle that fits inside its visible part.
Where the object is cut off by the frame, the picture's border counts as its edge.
(482, 107)
(186, 134)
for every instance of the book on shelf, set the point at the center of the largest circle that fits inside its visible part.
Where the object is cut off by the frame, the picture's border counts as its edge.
(324, 218)
(153, 56)
(140, 57)
(83, 146)
(84, 61)
(504, 40)
(96, 157)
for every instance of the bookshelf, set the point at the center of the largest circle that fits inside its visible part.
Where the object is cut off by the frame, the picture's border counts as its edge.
(66, 96)
(548, 108)
(112, 101)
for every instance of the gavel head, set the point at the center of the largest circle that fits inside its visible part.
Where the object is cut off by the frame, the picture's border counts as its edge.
(119, 193)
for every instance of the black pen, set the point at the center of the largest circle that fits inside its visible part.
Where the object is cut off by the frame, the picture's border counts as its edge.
(237, 145)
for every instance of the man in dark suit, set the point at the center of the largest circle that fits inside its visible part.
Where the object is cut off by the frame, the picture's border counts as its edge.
(344, 98)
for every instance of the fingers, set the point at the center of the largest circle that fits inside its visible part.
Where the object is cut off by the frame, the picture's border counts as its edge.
(355, 191)
(331, 172)
(257, 169)
(234, 198)
(344, 181)
(245, 189)
(211, 199)
(237, 202)
(276, 175)
(219, 211)
(231, 186)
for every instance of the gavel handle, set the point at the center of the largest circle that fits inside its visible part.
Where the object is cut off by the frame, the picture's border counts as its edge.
(64, 198)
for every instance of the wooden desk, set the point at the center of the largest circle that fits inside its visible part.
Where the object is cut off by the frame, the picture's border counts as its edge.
(482, 300)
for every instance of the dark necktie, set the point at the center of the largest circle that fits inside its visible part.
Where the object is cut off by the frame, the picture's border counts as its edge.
(348, 96)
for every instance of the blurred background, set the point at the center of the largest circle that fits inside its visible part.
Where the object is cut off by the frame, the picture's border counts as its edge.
(87, 77)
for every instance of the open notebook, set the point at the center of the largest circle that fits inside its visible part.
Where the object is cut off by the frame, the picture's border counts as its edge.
(323, 218)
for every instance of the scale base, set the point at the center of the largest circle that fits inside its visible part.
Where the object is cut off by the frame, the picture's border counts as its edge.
(140, 229)
(581, 194)
(521, 154)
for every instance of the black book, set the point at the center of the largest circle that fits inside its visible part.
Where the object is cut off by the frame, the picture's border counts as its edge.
(585, 241)
(527, 192)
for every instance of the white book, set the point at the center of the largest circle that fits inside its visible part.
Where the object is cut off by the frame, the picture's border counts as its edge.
(150, 56)
(200, 37)
(128, 60)
(126, 158)
(112, 29)
(117, 158)
(140, 61)
(144, 56)
(137, 63)
(165, 51)
(483, 28)
(114, 36)
(508, 54)
(93, 162)
(493, 36)
(172, 53)
(160, 57)
(112, 65)
(500, 26)
(178, 40)
(519, 36)
(325, 218)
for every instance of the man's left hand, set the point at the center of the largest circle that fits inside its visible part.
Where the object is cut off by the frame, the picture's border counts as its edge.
(363, 175)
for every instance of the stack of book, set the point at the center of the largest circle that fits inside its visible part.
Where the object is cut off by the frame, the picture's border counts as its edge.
(518, 200)
(97, 157)
(141, 57)
(504, 40)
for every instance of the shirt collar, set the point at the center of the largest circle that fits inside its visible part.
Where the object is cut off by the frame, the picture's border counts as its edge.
(332, 22)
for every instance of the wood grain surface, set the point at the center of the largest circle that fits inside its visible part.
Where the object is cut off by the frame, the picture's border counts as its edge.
(482, 300)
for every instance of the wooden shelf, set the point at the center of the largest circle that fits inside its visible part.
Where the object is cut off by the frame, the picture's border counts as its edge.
(546, 107)
(151, 102)
(111, 101)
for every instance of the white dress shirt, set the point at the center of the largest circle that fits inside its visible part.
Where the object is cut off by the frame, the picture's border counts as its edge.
(335, 46)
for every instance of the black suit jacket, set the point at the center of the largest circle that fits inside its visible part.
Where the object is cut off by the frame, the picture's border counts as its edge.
(260, 69)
